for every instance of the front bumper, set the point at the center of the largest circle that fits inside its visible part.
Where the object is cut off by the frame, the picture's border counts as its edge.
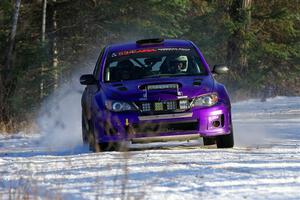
(130, 126)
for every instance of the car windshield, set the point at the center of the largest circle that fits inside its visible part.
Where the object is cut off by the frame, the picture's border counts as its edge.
(152, 63)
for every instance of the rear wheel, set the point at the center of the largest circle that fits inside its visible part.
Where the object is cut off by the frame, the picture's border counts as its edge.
(225, 141)
(209, 141)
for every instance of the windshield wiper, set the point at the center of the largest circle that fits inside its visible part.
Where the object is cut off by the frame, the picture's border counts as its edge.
(158, 75)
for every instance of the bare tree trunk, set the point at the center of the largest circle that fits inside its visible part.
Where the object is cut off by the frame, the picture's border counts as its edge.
(44, 20)
(246, 7)
(56, 70)
(12, 36)
(6, 82)
(42, 84)
(237, 46)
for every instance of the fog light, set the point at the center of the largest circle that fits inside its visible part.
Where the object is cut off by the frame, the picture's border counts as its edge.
(216, 124)
(146, 107)
(158, 106)
(183, 104)
(171, 105)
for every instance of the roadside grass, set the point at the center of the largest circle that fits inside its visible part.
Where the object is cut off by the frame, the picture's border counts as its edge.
(32, 184)
(13, 127)
(27, 192)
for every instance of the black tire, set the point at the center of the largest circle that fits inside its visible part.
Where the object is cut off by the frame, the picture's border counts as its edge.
(209, 141)
(96, 146)
(102, 146)
(225, 141)
(108, 146)
(93, 145)
(84, 129)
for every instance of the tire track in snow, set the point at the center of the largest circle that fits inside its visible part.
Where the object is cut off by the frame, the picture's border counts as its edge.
(267, 167)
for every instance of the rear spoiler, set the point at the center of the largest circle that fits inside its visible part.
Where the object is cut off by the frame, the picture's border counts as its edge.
(151, 41)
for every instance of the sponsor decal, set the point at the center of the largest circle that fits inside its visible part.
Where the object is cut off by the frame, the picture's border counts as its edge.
(173, 49)
(126, 53)
(129, 52)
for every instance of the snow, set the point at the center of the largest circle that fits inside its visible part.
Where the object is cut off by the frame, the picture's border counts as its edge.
(264, 164)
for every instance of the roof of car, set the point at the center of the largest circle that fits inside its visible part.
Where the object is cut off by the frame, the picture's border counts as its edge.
(166, 43)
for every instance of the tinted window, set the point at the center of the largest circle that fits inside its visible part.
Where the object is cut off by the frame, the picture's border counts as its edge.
(152, 62)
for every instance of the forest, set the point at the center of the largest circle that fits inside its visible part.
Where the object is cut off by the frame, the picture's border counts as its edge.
(42, 42)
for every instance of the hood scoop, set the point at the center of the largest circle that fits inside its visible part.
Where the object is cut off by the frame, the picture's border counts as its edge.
(148, 88)
(160, 86)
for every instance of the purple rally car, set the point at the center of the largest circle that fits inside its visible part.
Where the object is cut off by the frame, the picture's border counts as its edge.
(154, 90)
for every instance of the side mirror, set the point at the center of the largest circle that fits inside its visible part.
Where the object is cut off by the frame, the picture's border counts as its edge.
(220, 69)
(88, 79)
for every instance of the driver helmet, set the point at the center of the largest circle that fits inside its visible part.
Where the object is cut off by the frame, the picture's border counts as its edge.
(181, 63)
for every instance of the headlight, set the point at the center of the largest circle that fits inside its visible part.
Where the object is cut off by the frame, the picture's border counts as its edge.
(205, 100)
(118, 106)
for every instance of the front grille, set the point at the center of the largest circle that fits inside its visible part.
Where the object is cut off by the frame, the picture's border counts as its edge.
(163, 106)
(165, 127)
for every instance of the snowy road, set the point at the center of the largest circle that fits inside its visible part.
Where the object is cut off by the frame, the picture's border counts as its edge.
(265, 164)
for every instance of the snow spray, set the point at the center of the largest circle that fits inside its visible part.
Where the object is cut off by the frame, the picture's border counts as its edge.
(60, 116)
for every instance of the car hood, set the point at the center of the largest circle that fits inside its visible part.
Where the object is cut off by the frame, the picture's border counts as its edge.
(134, 90)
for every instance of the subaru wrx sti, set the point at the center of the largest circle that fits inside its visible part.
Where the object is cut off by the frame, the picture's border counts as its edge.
(154, 90)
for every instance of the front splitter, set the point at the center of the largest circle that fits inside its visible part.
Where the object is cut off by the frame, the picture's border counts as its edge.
(166, 138)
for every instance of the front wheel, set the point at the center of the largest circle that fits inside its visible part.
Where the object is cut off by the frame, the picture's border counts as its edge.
(85, 130)
(209, 141)
(108, 146)
(88, 135)
(225, 141)
(94, 146)
(98, 146)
